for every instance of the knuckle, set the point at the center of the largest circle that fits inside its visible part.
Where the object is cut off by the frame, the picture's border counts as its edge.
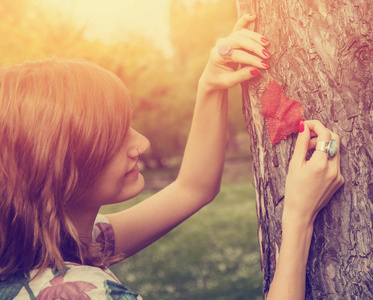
(240, 32)
(341, 180)
(214, 56)
(317, 123)
(319, 167)
(220, 41)
(332, 175)
(328, 134)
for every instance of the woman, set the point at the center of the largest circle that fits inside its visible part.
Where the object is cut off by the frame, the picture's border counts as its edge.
(68, 148)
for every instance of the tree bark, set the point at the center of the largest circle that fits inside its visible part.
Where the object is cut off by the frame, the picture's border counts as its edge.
(322, 57)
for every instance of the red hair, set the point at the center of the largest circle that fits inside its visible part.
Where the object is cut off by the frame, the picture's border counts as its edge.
(60, 122)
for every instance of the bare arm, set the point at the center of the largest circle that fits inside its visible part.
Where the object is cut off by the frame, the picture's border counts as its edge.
(309, 187)
(200, 174)
(196, 185)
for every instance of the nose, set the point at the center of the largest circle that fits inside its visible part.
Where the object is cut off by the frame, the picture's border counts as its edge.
(144, 144)
(140, 143)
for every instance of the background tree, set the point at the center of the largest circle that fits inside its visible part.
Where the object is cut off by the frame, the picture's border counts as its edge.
(322, 57)
(210, 258)
(194, 30)
(158, 83)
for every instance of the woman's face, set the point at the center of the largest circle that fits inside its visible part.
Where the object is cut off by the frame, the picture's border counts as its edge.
(120, 180)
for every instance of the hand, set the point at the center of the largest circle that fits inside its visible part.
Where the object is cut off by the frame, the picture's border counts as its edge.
(310, 184)
(243, 47)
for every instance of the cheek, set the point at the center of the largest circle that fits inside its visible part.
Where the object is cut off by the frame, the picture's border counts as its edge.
(120, 189)
(106, 188)
(131, 188)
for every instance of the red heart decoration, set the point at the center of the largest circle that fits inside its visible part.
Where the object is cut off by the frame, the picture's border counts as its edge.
(282, 114)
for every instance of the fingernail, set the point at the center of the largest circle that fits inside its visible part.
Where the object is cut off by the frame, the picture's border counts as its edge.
(266, 53)
(265, 65)
(301, 126)
(264, 40)
(254, 72)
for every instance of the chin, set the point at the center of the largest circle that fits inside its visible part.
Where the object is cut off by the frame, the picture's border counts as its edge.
(135, 188)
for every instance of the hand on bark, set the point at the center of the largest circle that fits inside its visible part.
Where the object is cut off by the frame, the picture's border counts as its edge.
(242, 47)
(310, 184)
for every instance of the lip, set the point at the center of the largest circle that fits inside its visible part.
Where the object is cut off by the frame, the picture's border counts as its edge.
(134, 171)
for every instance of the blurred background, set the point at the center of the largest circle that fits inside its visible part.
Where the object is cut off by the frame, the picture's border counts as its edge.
(159, 49)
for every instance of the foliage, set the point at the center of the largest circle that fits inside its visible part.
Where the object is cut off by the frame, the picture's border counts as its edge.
(194, 31)
(163, 88)
(213, 255)
(202, 260)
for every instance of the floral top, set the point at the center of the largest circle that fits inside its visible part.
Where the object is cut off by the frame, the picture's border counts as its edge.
(79, 282)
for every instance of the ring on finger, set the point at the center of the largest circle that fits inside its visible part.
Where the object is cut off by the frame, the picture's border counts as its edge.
(328, 147)
(225, 50)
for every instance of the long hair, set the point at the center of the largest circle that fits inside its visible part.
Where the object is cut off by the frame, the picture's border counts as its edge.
(60, 122)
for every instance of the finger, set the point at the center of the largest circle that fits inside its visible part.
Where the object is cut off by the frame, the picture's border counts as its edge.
(244, 21)
(242, 57)
(323, 135)
(313, 142)
(301, 146)
(241, 75)
(246, 44)
(313, 134)
(255, 36)
(316, 127)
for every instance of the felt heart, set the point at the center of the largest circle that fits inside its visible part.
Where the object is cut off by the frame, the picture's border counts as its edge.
(281, 113)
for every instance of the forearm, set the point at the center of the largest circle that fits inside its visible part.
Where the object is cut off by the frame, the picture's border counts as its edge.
(310, 184)
(201, 170)
(197, 183)
(290, 275)
(204, 155)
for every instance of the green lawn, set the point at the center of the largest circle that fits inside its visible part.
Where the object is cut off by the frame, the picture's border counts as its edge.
(213, 255)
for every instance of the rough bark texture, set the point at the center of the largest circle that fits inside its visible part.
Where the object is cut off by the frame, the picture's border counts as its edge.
(322, 56)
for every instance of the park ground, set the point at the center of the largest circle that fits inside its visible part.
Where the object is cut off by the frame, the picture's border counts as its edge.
(212, 255)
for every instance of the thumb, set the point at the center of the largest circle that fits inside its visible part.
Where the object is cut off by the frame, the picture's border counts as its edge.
(302, 144)
(244, 21)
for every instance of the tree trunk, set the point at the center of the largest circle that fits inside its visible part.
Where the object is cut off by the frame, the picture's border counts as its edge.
(322, 57)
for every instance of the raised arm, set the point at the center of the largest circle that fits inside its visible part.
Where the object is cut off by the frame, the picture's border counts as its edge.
(200, 174)
(309, 187)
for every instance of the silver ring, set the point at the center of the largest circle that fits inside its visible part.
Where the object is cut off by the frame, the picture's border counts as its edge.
(322, 146)
(225, 50)
(139, 152)
(328, 147)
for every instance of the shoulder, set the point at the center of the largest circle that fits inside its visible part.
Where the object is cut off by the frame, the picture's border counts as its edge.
(103, 234)
(79, 282)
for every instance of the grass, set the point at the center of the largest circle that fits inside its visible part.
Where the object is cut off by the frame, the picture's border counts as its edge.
(212, 255)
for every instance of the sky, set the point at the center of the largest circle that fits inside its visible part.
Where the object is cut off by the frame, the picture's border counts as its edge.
(106, 19)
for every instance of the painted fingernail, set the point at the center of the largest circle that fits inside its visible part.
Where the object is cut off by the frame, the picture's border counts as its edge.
(255, 72)
(266, 53)
(301, 126)
(264, 40)
(265, 65)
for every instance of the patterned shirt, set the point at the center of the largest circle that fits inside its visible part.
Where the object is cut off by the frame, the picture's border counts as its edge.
(79, 282)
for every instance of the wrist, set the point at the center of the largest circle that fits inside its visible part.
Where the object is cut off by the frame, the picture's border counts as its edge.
(207, 84)
(296, 221)
(296, 238)
(206, 90)
(204, 86)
